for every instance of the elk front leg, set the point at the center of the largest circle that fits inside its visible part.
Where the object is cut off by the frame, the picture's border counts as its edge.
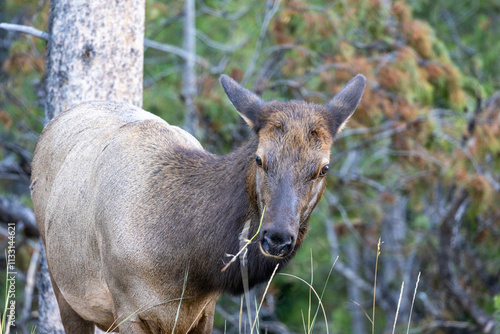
(138, 327)
(72, 322)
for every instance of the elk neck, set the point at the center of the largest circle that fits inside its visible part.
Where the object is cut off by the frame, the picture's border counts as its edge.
(218, 191)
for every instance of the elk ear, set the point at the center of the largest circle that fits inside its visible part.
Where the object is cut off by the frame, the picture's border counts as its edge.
(345, 102)
(246, 103)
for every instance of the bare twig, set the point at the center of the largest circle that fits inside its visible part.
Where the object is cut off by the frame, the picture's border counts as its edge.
(232, 318)
(175, 50)
(168, 21)
(147, 42)
(217, 45)
(272, 7)
(25, 29)
(448, 275)
(13, 170)
(24, 153)
(284, 47)
(340, 266)
(244, 241)
(361, 131)
(333, 200)
(223, 13)
(267, 70)
(448, 19)
(300, 82)
(381, 135)
(431, 327)
(30, 285)
(360, 178)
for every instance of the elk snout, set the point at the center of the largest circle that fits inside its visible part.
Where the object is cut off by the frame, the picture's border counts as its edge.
(277, 243)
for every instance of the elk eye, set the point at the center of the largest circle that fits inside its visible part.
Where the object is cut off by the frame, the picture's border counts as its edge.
(324, 170)
(258, 160)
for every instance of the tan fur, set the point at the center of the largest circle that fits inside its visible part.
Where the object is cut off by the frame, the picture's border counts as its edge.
(63, 182)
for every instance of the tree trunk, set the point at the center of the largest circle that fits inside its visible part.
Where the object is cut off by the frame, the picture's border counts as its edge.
(358, 319)
(393, 268)
(189, 79)
(95, 52)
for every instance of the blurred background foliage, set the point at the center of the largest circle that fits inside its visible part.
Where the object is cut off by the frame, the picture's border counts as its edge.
(418, 165)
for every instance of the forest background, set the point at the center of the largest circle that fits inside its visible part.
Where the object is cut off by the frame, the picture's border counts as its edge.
(418, 165)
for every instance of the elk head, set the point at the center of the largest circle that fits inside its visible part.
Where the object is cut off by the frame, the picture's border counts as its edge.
(287, 172)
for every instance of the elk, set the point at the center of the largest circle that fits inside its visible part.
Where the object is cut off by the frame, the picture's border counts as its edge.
(135, 214)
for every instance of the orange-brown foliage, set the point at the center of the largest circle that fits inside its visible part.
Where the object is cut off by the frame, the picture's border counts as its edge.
(419, 36)
(237, 74)
(5, 119)
(279, 28)
(402, 11)
(480, 189)
(435, 70)
(24, 63)
(392, 78)
(387, 197)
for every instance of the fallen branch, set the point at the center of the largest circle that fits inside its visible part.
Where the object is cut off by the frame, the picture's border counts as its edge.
(30, 285)
(13, 211)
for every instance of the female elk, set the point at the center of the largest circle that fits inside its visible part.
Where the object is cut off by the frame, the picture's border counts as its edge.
(134, 213)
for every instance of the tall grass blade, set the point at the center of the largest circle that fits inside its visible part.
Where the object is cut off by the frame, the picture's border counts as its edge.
(375, 286)
(4, 315)
(412, 302)
(364, 311)
(317, 296)
(243, 261)
(264, 296)
(241, 312)
(143, 309)
(324, 289)
(180, 301)
(397, 309)
(256, 318)
(234, 257)
(196, 318)
(139, 311)
(303, 321)
(309, 306)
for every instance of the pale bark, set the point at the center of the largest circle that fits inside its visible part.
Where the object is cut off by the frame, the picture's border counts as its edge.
(189, 79)
(358, 318)
(95, 52)
(393, 268)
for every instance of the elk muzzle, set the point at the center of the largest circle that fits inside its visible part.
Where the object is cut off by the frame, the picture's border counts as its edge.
(277, 243)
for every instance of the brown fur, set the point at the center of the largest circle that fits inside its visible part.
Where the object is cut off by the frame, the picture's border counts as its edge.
(128, 206)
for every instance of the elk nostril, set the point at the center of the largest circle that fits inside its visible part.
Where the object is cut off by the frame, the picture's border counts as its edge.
(274, 239)
(277, 244)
